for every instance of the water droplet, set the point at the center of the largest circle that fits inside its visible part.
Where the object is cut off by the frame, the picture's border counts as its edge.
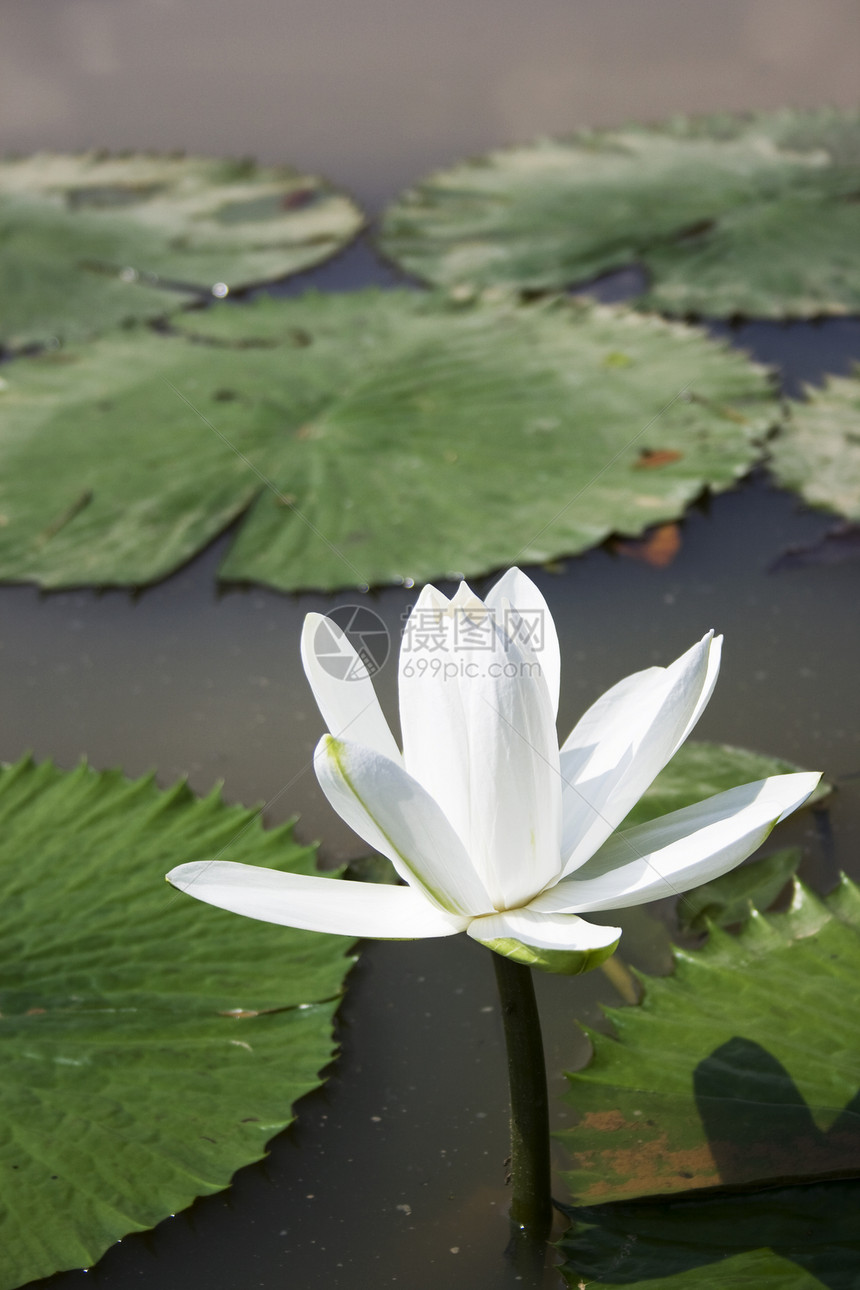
(220, 290)
(409, 582)
(128, 275)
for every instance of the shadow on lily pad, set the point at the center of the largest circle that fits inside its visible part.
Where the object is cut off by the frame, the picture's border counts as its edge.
(758, 1125)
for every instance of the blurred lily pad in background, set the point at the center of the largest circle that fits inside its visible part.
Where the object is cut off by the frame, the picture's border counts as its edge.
(373, 438)
(753, 215)
(701, 769)
(727, 900)
(88, 241)
(818, 452)
(150, 1046)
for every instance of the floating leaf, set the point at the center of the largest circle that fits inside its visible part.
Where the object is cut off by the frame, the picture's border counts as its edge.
(727, 899)
(754, 215)
(91, 240)
(790, 1238)
(818, 452)
(701, 769)
(151, 1046)
(742, 1068)
(376, 436)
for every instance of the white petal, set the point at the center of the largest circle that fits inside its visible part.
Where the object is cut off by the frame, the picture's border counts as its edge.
(553, 942)
(465, 598)
(392, 812)
(680, 850)
(514, 782)
(342, 687)
(435, 743)
(316, 904)
(520, 592)
(624, 740)
(479, 736)
(715, 654)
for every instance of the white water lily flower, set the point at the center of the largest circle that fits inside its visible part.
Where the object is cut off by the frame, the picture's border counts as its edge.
(495, 830)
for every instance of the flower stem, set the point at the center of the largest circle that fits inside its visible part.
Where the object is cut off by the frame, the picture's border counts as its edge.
(531, 1205)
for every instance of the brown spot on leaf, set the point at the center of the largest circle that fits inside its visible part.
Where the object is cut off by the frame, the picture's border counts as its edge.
(646, 1169)
(652, 458)
(694, 231)
(605, 1121)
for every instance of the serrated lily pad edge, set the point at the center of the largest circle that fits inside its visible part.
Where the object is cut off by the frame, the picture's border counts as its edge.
(724, 127)
(195, 1182)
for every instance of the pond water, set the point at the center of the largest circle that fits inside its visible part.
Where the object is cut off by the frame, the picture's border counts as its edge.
(393, 1173)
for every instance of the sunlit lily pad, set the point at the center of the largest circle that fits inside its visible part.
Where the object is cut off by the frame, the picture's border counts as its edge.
(789, 1238)
(150, 1046)
(90, 240)
(373, 437)
(701, 769)
(727, 215)
(740, 1069)
(727, 899)
(818, 453)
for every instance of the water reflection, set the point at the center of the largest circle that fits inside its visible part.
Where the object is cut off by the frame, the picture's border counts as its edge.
(765, 1236)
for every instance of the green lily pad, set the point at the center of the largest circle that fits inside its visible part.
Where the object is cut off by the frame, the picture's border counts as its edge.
(727, 900)
(374, 437)
(818, 452)
(701, 769)
(754, 215)
(742, 1068)
(788, 1238)
(88, 241)
(151, 1046)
